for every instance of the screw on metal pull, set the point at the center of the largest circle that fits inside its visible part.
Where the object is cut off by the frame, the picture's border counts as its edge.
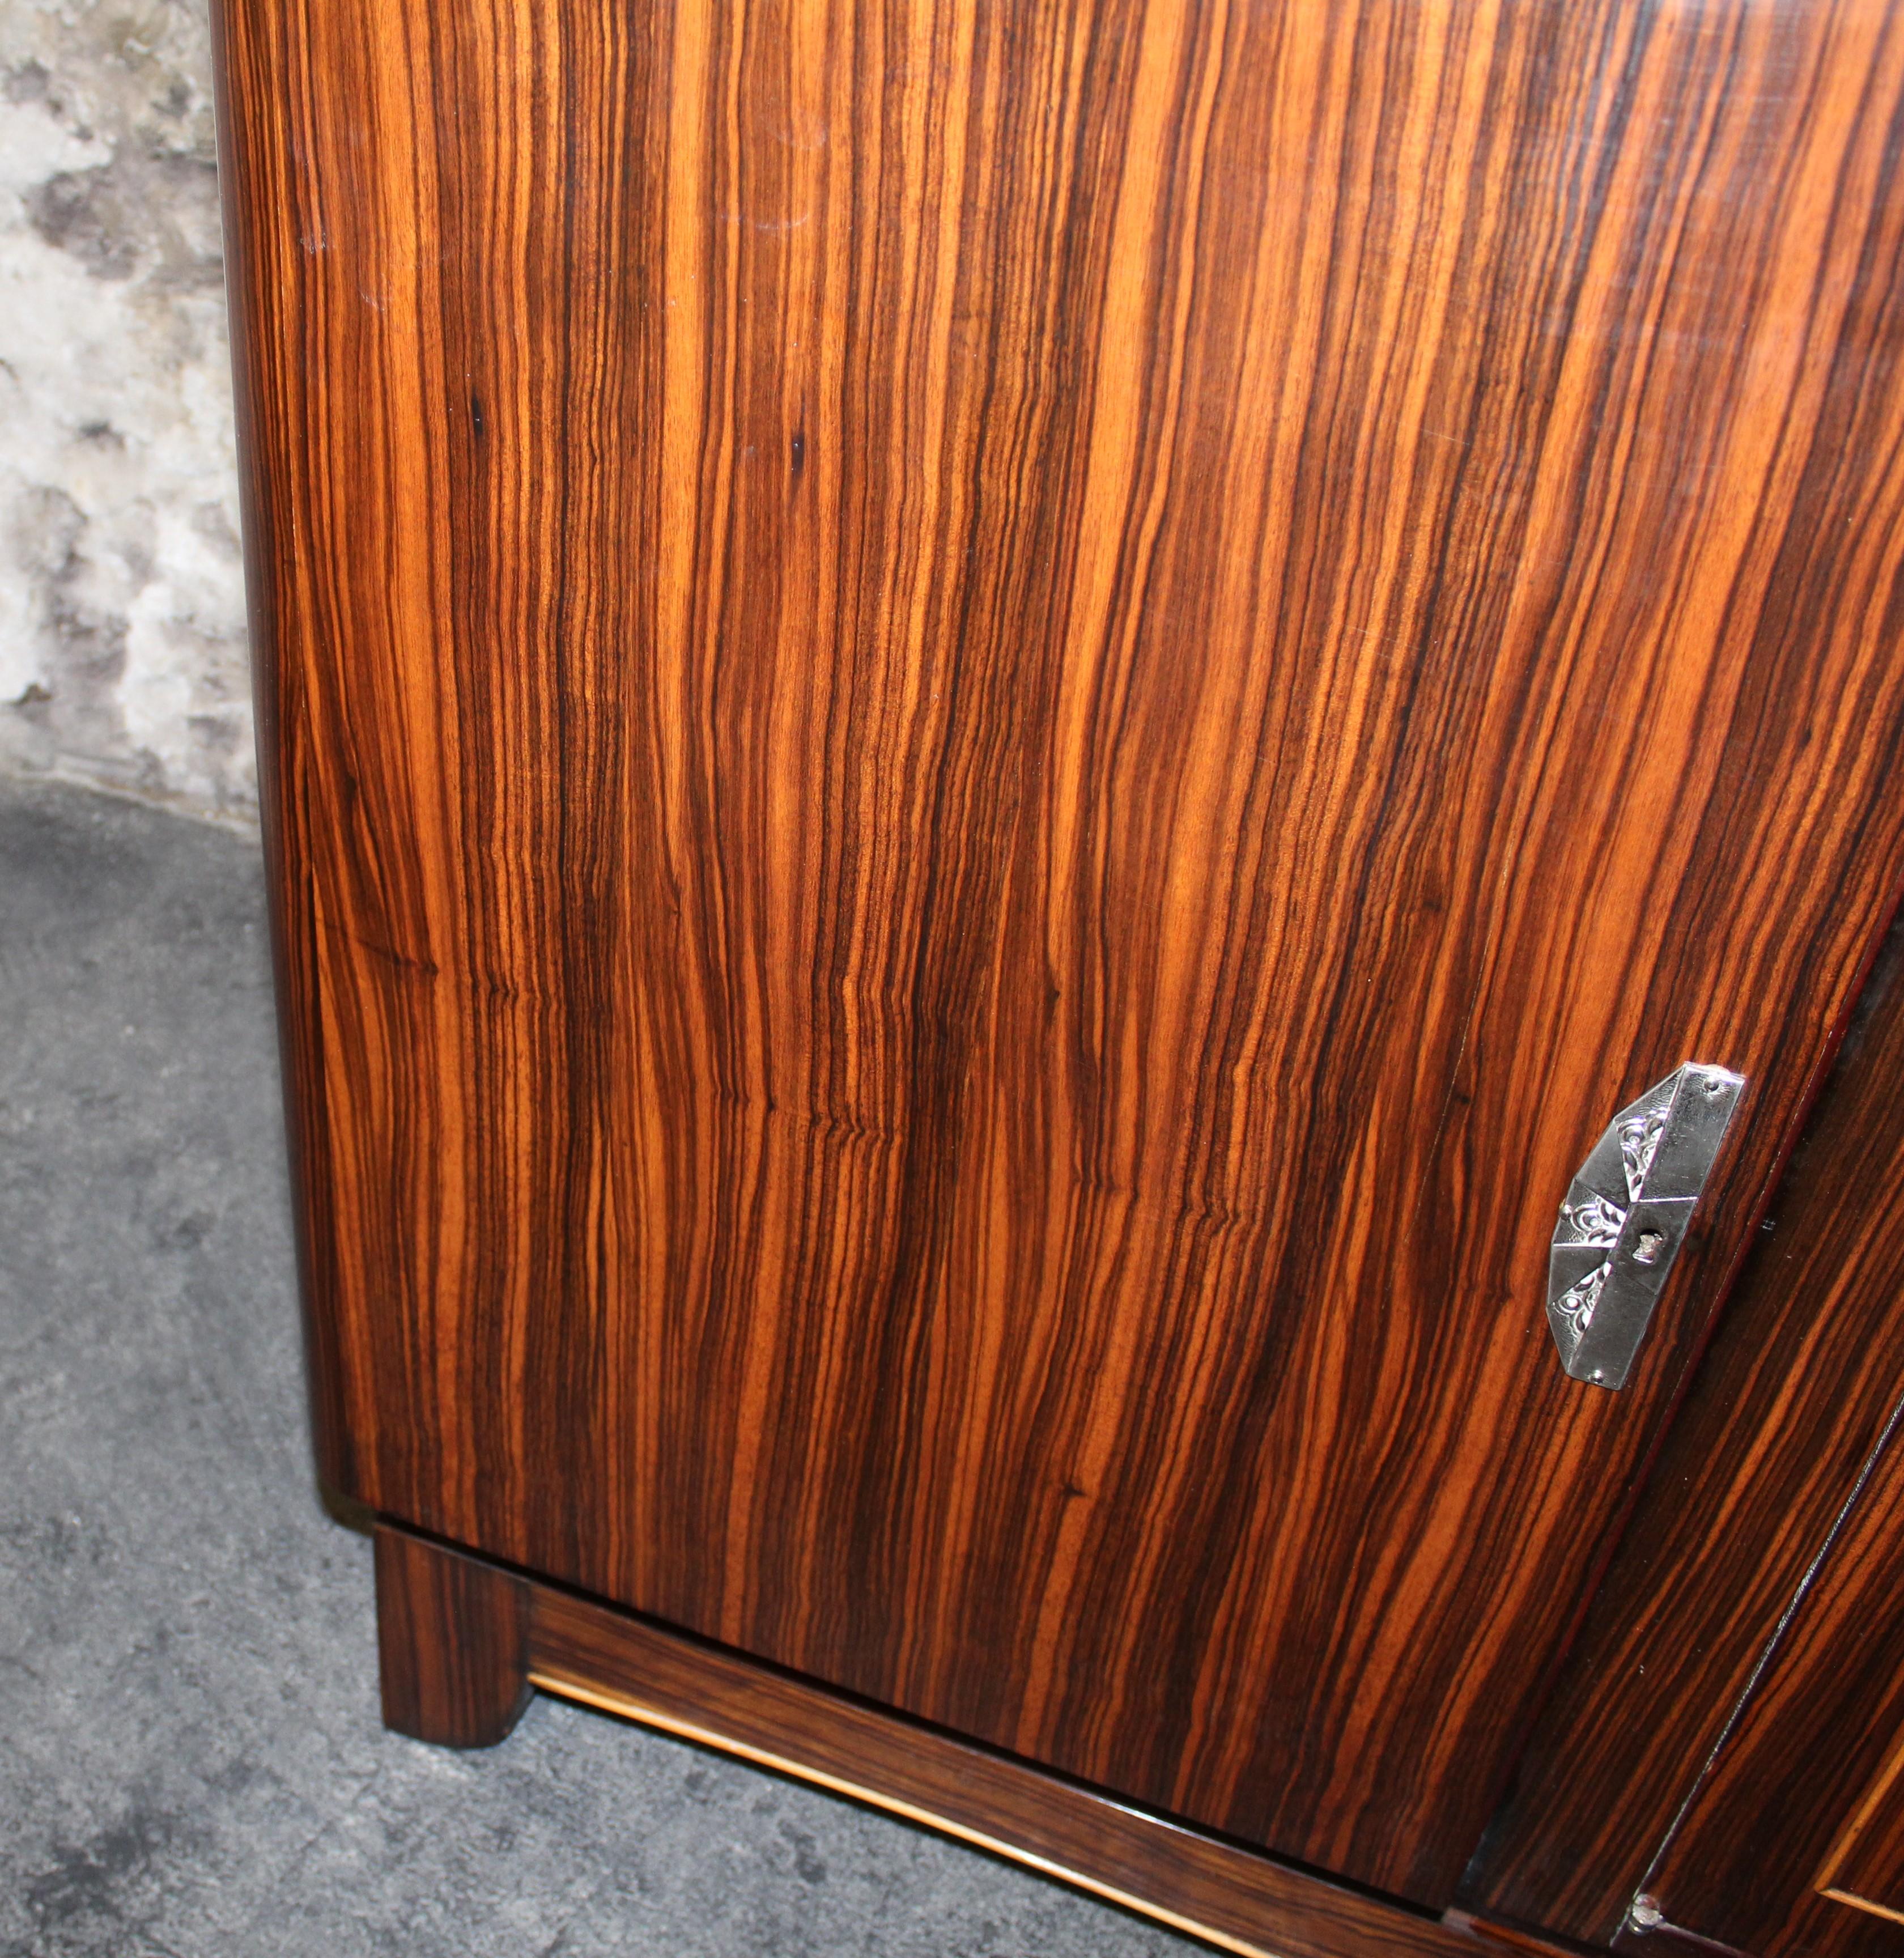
(1644, 1912)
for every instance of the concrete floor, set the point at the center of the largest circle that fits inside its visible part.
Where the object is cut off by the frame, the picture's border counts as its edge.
(190, 1762)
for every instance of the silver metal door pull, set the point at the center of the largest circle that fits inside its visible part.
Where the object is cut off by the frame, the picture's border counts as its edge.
(1625, 1217)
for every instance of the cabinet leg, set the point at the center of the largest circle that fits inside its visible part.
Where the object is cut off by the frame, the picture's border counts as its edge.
(452, 1643)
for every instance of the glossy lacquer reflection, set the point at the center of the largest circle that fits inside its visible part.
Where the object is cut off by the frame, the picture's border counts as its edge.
(993, 729)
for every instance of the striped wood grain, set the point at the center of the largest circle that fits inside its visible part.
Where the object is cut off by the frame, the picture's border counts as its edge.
(452, 1641)
(995, 726)
(1237, 1899)
(1789, 1405)
(1757, 1495)
(1756, 1860)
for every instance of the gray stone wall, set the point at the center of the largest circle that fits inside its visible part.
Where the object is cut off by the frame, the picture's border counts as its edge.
(123, 658)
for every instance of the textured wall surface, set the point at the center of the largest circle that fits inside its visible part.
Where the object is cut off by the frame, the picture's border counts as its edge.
(121, 604)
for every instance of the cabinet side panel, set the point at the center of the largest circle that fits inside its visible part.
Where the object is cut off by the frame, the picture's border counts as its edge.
(999, 724)
(257, 185)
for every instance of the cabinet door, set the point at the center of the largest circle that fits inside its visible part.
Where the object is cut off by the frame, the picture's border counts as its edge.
(994, 727)
(1794, 1839)
(1720, 1741)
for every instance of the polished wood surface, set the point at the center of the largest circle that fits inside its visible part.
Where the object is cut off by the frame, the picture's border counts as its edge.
(1865, 1867)
(997, 726)
(1798, 1390)
(1236, 1898)
(1766, 1839)
(452, 1643)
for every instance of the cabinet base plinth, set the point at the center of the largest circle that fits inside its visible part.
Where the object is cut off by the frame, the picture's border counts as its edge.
(1236, 1898)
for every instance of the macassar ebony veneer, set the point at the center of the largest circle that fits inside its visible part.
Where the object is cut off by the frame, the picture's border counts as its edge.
(504, 1632)
(993, 730)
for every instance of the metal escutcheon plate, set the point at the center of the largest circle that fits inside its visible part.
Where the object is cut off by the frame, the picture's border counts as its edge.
(1625, 1217)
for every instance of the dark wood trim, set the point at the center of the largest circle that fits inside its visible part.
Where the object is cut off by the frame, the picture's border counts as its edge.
(452, 1643)
(1834, 1880)
(1236, 1898)
(1519, 1938)
(445, 1621)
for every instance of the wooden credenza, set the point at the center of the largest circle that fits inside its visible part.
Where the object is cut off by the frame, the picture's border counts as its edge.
(992, 732)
